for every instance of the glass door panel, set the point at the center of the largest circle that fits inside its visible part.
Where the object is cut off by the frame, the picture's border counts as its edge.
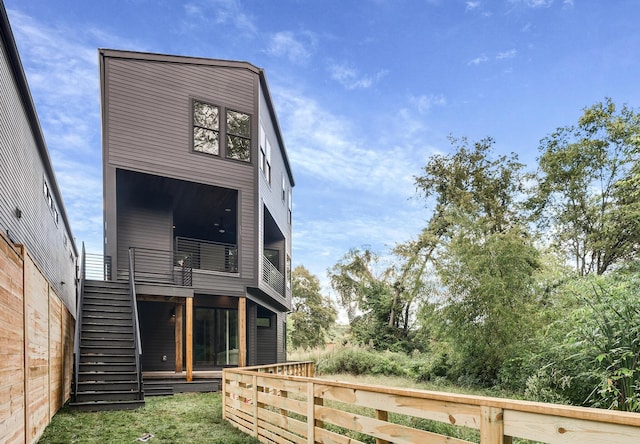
(204, 336)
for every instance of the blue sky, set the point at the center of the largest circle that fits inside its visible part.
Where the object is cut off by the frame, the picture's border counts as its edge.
(365, 90)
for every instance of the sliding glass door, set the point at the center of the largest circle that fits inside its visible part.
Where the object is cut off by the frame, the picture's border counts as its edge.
(215, 337)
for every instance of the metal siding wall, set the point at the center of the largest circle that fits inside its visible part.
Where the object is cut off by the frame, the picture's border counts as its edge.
(158, 336)
(21, 186)
(143, 228)
(271, 195)
(148, 129)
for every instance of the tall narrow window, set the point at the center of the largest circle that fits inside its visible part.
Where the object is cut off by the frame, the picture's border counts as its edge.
(290, 204)
(238, 136)
(265, 155)
(206, 128)
(284, 188)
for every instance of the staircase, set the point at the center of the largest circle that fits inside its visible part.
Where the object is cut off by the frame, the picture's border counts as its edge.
(107, 370)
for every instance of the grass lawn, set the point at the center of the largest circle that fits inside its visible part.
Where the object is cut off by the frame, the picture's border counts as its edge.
(182, 418)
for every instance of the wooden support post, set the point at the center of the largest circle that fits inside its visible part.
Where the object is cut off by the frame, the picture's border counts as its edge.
(179, 313)
(491, 425)
(382, 415)
(242, 332)
(189, 339)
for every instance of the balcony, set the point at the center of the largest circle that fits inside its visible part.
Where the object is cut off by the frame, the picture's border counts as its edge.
(271, 276)
(207, 255)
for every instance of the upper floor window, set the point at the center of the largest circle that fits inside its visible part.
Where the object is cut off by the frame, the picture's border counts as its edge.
(238, 136)
(265, 155)
(206, 128)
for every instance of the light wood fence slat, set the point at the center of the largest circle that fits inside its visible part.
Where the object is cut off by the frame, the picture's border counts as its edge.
(325, 436)
(436, 410)
(555, 429)
(278, 407)
(395, 433)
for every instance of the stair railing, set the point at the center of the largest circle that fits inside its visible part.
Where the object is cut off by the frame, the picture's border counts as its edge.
(76, 343)
(136, 326)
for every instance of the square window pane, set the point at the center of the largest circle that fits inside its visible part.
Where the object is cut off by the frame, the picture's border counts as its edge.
(205, 141)
(238, 148)
(238, 124)
(205, 115)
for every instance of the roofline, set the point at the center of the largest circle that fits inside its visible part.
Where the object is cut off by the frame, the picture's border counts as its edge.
(274, 120)
(23, 88)
(154, 57)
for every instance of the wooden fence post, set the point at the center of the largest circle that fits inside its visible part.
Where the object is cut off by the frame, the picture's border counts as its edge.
(491, 425)
(254, 382)
(311, 414)
(224, 395)
(382, 415)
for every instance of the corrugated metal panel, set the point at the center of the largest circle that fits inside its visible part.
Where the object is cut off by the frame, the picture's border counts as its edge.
(22, 178)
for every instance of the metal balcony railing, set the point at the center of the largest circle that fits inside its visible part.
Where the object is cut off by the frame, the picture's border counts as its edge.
(207, 255)
(97, 267)
(161, 266)
(271, 276)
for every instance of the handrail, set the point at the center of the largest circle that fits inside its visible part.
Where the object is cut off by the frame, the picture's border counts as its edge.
(272, 276)
(209, 255)
(136, 325)
(267, 401)
(76, 341)
(161, 266)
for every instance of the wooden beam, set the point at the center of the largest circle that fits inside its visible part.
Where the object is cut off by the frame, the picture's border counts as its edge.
(179, 312)
(189, 339)
(242, 332)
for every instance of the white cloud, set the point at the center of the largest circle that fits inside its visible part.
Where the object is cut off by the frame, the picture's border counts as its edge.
(478, 60)
(329, 149)
(506, 54)
(286, 44)
(425, 102)
(533, 3)
(470, 6)
(222, 12)
(350, 78)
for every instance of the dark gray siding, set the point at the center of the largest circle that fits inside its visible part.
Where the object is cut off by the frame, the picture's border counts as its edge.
(23, 173)
(146, 228)
(252, 343)
(271, 194)
(157, 331)
(147, 121)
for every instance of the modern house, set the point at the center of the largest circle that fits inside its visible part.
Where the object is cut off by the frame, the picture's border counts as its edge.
(37, 263)
(197, 209)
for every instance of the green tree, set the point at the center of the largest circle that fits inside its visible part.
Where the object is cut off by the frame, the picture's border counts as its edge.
(313, 314)
(587, 194)
(380, 301)
(485, 259)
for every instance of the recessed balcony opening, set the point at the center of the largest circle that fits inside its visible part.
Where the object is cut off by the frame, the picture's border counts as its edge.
(274, 248)
(184, 222)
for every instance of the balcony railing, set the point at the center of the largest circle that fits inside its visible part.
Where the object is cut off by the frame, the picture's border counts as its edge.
(97, 267)
(207, 255)
(160, 266)
(271, 276)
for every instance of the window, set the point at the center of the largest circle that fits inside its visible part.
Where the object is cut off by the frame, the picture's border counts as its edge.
(290, 204)
(284, 189)
(238, 136)
(265, 155)
(288, 271)
(206, 128)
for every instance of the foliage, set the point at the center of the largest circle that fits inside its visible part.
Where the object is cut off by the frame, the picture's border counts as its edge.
(587, 192)
(313, 314)
(380, 305)
(185, 417)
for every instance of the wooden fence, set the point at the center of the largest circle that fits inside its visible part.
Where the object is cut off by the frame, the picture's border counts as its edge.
(36, 347)
(284, 403)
